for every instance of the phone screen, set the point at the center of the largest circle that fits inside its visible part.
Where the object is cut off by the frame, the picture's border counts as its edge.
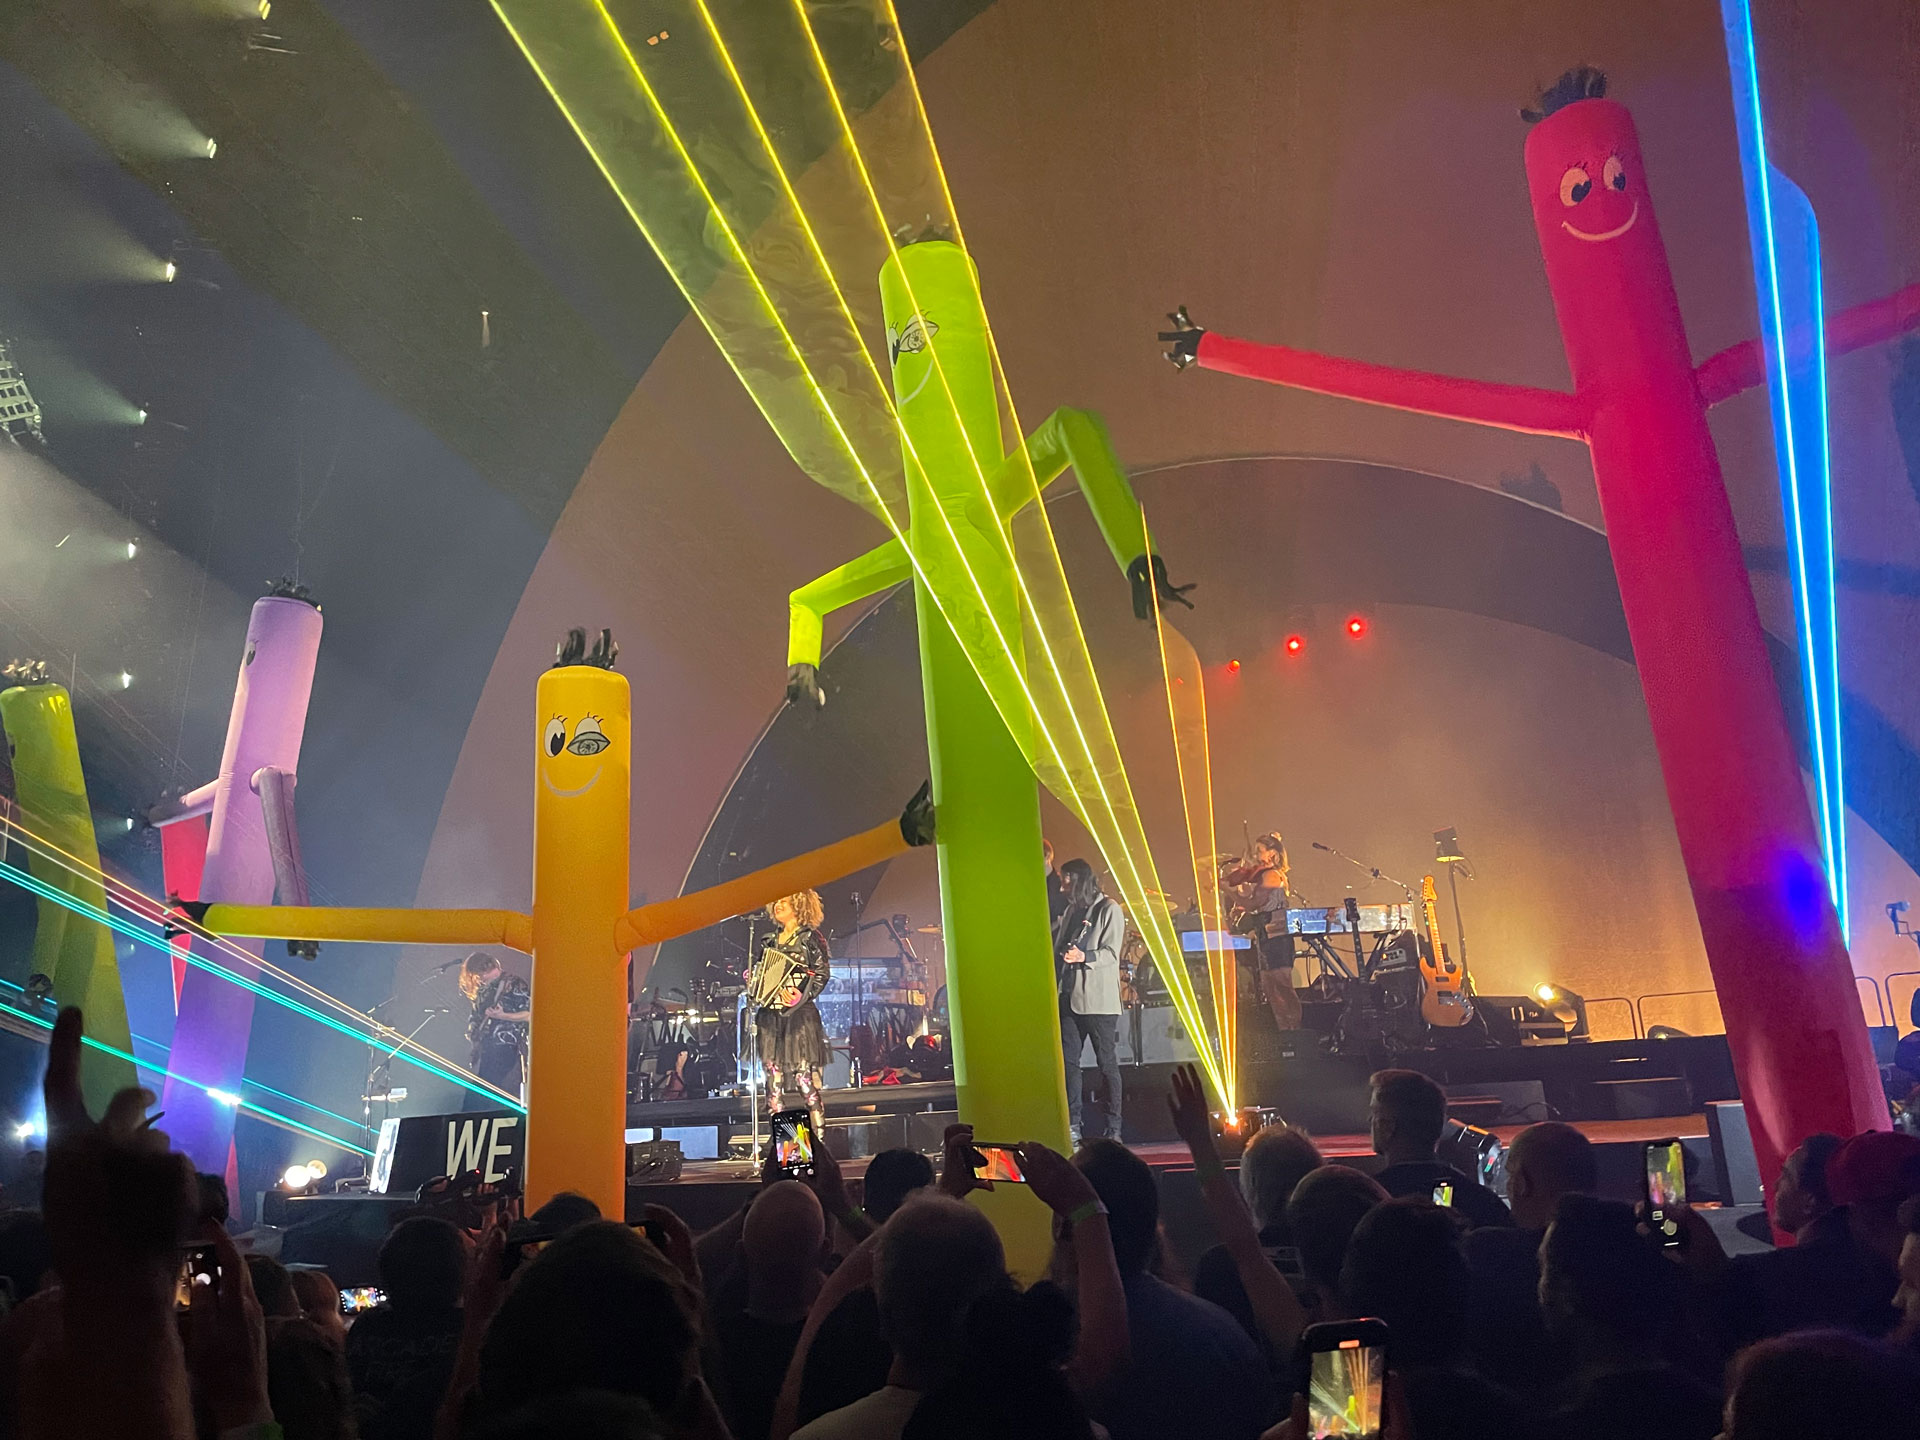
(1000, 1163)
(1345, 1389)
(199, 1269)
(1666, 1188)
(1443, 1193)
(793, 1142)
(356, 1298)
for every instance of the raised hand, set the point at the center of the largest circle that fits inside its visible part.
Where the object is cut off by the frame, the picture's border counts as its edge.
(1185, 338)
(1187, 1100)
(227, 1342)
(1055, 1181)
(1151, 588)
(803, 687)
(958, 1161)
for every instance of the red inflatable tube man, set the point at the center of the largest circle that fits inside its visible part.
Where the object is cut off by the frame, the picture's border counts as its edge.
(1747, 836)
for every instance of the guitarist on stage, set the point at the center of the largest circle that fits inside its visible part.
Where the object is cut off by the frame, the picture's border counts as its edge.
(1261, 901)
(788, 973)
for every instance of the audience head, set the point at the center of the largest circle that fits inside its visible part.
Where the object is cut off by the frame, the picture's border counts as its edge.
(1544, 1162)
(891, 1177)
(1009, 1382)
(1275, 1160)
(1324, 1208)
(1604, 1286)
(1079, 882)
(598, 1309)
(1821, 1385)
(1873, 1174)
(213, 1202)
(782, 1241)
(1404, 1265)
(1126, 1187)
(319, 1300)
(936, 1256)
(307, 1381)
(423, 1264)
(273, 1288)
(24, 1253)
(1800, 1196)
(1406, 1114)
(564, 1211)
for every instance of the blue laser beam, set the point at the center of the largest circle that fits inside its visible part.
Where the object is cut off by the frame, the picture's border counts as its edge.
(1785, 238)
(155, 941)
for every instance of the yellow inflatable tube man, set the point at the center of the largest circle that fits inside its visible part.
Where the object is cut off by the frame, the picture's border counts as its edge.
(581, 929)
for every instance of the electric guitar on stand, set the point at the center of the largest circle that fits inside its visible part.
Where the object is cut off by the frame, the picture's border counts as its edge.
(1444, 1003)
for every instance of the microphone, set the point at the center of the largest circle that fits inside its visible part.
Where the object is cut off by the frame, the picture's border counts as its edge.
(442, 969)
(1318, 846)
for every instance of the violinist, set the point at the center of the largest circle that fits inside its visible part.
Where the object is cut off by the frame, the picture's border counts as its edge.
(1261, 900)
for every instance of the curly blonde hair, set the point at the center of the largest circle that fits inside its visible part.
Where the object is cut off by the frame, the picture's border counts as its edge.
(476, 970)
(807, 908)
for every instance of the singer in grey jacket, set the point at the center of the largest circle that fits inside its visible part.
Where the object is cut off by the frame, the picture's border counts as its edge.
(1089, 939)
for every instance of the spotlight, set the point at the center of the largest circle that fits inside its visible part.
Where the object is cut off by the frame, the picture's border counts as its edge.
(171, 271)
(126, 680)
(1295, 644)
(1544, 993)
(213, 147)
(25, 1130)
(140, 417)
(225, 1097)
(133, 548)
(298, 1177)
(1356, 625)
(317, 1169)
(1233, 667)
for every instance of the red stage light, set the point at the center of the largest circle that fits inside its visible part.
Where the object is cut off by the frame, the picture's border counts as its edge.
(1356, 626)
(1233, 667)
(1295, 644)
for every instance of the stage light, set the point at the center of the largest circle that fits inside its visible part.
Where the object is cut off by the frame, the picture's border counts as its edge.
(171, 271)
(140, 417)
(126, 680)
(1356, 625)
(133, 548)
(224, 1097)
(25, 1130)
(213, 147)
(1295, 644)
(1544, 993)
(317, 1169)
(1233, 667)
(298, 1177)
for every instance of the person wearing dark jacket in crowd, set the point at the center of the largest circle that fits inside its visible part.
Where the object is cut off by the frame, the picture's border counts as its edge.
(1406, 1116)
(400, 1354)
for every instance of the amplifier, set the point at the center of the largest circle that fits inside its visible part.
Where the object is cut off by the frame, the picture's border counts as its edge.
(1163, 1036)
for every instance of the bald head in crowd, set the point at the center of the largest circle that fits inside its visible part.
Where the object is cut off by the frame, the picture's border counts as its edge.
(1544, 1162)
(936, 1256)
(783, 1238)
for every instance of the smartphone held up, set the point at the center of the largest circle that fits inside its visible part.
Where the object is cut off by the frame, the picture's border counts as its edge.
(1666, 1176)
(1346, 1378)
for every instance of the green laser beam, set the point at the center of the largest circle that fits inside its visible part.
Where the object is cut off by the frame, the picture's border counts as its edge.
(142, 937)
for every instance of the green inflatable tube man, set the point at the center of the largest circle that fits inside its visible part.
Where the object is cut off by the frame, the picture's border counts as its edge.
(1000, 979)
(76, 953)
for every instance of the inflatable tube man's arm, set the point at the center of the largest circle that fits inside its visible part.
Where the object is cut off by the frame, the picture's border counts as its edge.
(668, 919)
(1077, 438)
(1505, 407)
(470, 928)
(275, 788)
(1743, 366)
(808, 607)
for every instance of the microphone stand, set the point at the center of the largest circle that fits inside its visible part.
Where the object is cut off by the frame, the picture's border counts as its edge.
(1374, 870)
(753, 1036)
